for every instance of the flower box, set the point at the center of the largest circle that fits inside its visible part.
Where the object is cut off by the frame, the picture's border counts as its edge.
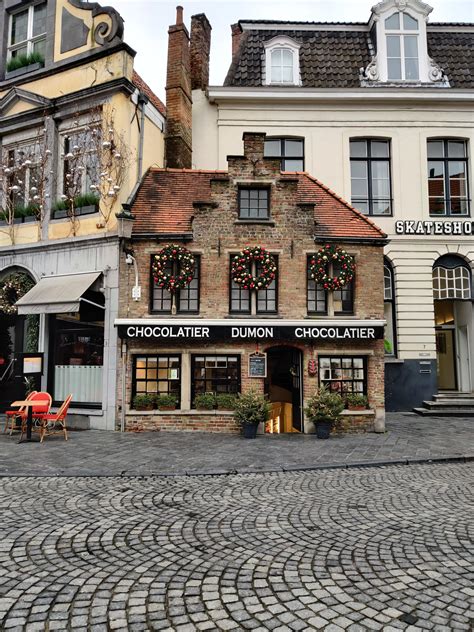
(23, 70)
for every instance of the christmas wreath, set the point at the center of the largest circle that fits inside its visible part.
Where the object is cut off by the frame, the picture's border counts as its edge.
(185, 273)
(241, 268)
(12, 288)
(319, 267)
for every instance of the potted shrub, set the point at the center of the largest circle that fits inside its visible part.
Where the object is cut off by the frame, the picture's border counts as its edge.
(144, 402)
(205, 401)
(324, 409)
(356, 401)
(166, 402)
(251, 409)
(226, 401)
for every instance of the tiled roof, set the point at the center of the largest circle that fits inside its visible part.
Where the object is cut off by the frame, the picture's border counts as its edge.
(164, 204)
(332, 59)
(145, 88)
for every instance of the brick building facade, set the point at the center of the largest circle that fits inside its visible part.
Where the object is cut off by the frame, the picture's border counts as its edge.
(204, 340)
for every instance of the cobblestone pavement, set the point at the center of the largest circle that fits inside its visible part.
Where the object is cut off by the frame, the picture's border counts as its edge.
(409, 439)
(351, 549)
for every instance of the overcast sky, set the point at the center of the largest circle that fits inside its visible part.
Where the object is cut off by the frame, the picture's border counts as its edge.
(147, 21)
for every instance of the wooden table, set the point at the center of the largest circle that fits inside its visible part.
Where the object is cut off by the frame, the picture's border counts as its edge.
(29, 404)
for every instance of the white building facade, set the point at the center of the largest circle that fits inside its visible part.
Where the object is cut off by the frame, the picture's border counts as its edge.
(382, 112)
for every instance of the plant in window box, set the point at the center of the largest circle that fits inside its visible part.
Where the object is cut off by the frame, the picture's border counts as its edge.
(26, 63)
(166, 402)
(144, 402)
(82, 205)
(251, 409)
(324, 409)
(205, 401)
(356, 401)
(226, 401)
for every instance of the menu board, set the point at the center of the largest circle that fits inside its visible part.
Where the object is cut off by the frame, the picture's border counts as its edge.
(258, 365)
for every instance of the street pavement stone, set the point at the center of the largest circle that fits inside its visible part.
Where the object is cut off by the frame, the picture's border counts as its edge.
(386, 548)
(409, 439)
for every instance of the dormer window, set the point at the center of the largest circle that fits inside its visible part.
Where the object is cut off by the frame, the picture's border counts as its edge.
(27, 33)
(282, 62)
(402, 47)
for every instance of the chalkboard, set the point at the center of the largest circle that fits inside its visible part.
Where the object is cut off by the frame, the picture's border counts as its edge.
(258, 365)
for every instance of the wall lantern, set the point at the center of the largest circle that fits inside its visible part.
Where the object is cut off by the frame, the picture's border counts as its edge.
(125, 220)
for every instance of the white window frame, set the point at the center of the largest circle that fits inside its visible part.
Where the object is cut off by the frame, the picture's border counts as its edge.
(401, 33)
(30, 39)
(451, 277)
(285, 43)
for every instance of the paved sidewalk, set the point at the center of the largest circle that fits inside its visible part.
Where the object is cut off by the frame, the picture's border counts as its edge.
(409, 438)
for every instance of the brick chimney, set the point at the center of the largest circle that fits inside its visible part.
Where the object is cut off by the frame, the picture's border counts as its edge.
(178, 137)
(236, 35)
(200, 51)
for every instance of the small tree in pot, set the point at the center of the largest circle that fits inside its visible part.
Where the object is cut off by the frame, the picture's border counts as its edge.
(324, 409)
(251, 409)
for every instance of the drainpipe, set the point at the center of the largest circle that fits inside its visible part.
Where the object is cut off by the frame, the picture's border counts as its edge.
(142, 101)
(124, 386)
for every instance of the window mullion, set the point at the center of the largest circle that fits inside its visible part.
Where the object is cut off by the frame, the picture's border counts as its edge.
(29, 47)
(369, 181)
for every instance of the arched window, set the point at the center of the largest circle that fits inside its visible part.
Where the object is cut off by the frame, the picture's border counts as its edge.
(389, 309)
(282, 61)
(451, 279)
(402, 33)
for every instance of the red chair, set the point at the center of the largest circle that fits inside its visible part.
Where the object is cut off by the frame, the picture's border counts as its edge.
(56, 422)
(38, 410)
(13, 415)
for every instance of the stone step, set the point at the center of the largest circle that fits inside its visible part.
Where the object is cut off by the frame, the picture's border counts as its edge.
(449, 412)
(453, 395)
(449, 403)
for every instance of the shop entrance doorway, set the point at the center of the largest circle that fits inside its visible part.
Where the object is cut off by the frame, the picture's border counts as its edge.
(283, 387)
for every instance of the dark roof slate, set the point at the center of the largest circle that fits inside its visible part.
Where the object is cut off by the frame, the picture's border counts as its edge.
(333, 59)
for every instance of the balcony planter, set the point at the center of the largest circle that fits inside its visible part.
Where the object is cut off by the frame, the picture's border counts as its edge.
(23, 70)
(81, 210)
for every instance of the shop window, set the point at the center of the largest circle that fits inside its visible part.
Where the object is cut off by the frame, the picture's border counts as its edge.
(157, 375)
(187, 299)
(215, 373)
(27, 34)
(290, 150)
(253, 302)
(370, 176)
(402, 36)
(389, 309)
(254, 203)
(344, 374)
(448, 188)
(451, 279)
(321, 302)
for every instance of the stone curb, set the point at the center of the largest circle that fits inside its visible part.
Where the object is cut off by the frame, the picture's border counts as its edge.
(250, 470)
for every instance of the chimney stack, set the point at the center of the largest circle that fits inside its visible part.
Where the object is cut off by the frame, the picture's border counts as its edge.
(178, 137)
(200, 51)
(236, 35)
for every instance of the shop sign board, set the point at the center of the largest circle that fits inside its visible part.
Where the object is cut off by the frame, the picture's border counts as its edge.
(185, 332)
(258, 365)
(433, 227)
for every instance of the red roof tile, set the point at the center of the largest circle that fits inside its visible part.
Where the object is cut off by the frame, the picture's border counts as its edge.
(164, 204)
(145, 88)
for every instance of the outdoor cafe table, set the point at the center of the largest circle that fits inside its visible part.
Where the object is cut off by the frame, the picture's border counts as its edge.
(29, 404)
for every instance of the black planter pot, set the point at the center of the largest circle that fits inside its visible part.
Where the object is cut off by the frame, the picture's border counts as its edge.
(250, 431)
(323, 429)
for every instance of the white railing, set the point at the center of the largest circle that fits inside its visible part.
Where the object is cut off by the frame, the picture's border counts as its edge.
(83, 382)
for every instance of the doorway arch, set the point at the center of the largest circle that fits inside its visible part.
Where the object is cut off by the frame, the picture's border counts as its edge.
(283, 387)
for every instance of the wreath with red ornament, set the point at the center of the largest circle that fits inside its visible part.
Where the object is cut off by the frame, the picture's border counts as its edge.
(319, 267)
(185, 273)
(242, 268)
(12, 288)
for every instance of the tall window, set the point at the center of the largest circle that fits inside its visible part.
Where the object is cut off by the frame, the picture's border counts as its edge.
(344, 374)
(282, 66)
(370, 176)
(253, 302)
(290, 150)
(215, 373)
(187, 299)
(254, 203)
(160, 375)
(321, 302)
(28, 32)
(282, 61)
(402, 47)
(23, 181)
(451, 279)
(447, 177)
(389, 309)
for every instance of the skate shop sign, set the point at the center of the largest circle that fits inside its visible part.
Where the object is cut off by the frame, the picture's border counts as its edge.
(425, 227)
(185, 331)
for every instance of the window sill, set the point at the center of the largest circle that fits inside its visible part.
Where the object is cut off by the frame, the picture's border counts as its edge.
(23, 70)
(178, 315)
(176, 412)
(254, 316)
(264, 222)
(390, 360)
(82, 211)
(357, 413)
